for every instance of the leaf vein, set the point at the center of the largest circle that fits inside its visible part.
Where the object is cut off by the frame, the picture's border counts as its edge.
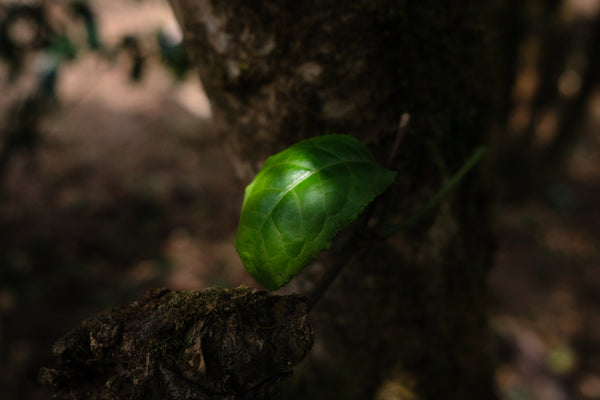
(311, 173)
(300, 212)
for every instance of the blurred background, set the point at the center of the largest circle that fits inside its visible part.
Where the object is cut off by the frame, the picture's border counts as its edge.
(113, 180)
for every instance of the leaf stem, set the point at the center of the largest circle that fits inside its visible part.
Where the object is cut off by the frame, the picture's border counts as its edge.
(350, 249)
(436, 199)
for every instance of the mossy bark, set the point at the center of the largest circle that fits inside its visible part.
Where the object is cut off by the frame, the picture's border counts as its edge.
(214, 344)
(407, 318)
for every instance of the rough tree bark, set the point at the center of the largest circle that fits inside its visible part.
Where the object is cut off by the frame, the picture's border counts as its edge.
(405, 319)
(215, 344)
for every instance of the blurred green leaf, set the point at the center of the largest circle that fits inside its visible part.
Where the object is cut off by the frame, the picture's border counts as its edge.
(300, 200)
(131, 45)
(173, 55)
(62, 47)
(82, 10)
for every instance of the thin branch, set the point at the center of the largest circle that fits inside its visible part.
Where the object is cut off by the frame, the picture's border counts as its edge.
(323, 284)
(435, 200)
(350, 250)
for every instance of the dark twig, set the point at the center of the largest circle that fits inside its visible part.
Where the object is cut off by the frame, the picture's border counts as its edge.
(345, 256)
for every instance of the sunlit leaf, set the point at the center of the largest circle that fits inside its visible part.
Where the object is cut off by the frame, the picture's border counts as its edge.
(300, 200)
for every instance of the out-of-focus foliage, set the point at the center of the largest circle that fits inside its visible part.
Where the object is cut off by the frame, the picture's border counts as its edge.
(67, 250)
(32, 28)
(82, 10)
(173, 55)
(131, 45)
(552, 69)
(54, 34)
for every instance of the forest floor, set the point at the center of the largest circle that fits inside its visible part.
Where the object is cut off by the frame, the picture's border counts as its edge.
(545, 283)
(131, 188)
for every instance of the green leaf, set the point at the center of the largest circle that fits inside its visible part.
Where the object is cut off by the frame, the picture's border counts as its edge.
(300, 200)
(83, 10)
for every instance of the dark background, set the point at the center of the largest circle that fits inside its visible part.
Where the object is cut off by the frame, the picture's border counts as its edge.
(114, 181)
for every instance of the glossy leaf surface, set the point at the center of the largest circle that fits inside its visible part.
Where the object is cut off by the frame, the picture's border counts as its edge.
(300, 200)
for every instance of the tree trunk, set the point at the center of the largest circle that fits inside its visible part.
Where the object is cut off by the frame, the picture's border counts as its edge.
(406, 318)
